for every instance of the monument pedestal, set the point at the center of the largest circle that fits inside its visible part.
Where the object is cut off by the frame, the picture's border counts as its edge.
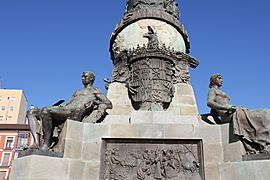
(221, 151)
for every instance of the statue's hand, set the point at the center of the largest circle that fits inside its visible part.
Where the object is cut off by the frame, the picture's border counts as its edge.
(232, 108)
(88, 105)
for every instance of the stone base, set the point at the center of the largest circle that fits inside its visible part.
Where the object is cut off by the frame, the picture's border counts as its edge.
(183, 102)
(30, 152)
(151, 117)
(49, 168)
(254, 157)
(222, 152)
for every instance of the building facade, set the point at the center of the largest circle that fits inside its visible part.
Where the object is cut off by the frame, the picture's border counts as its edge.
(14, 130)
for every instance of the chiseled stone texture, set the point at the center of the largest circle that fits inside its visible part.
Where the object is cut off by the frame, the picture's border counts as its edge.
(184, 101)
(233, 148)
(245, 170)
(118, 95)
(31, 167)
(166, 33)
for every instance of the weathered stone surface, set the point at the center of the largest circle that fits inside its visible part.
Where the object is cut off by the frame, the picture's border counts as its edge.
(254, 157)
(123, 130)
(212, 172)
(117, 119)
(91, 151)
(232, 147)
(183, 131)
(167, 35)
(128, 159)
(74, 130)
(189, 110)
(118, 95)
(184, 101)
(160, 117)
(94, 132)
(76, 169)
(73, 149)
(30, 152)
(210, 134)
(40, 167)
(91, 170)
(213, 154)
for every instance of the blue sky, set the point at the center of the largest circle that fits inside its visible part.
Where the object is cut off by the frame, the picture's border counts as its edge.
(45, 45)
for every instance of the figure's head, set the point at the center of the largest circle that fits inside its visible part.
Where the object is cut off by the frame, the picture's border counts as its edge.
(88, 77)
(216, 79)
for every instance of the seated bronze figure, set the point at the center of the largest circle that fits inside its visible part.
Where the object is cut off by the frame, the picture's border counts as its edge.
(252, 126)
(87, 105)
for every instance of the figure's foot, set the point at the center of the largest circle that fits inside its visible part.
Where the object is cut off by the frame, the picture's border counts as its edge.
(44, 147)
(34, 146)
(57, 150)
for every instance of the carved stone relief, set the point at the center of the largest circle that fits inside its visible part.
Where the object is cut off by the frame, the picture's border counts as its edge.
(136, 159)
(150, 72)
(169, 6)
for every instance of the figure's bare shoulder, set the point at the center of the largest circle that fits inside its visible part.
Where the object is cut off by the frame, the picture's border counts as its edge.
(97, 91)
(213, 91)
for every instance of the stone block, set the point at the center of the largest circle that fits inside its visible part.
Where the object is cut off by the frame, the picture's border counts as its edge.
(73, 149)
(213, 153)
(151, 131)
(91, 170)
(232, 147)
(212, 172)
(116, 88)
(124, 131)
(39, 167)
(184, 131)
(184, 89)
(91, 151)
(186, 110)
(187, 99)
(227, 171)
(120, 110)
(209, 134)
(74, 130)
(117, 119)
(245, 170)
(76, 169)
(94, 132)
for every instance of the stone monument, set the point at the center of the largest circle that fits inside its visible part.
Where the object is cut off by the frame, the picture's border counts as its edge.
(154, 130)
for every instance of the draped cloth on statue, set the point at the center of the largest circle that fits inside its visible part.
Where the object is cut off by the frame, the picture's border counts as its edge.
(253, 126)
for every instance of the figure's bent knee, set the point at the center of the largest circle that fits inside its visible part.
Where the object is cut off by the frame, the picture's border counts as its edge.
(45, 111)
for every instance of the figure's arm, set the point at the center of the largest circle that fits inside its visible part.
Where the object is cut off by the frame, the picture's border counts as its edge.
(217, 106)
(101, 99)
(71, 98)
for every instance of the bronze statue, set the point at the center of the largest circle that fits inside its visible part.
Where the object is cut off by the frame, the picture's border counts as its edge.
(252, 126)
(87, 105)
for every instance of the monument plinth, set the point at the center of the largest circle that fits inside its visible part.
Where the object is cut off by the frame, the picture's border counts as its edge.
(153, 131)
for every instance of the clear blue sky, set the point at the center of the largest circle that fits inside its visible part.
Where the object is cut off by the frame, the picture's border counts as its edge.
(45, 45)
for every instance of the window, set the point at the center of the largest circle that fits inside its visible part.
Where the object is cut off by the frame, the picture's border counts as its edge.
(8, 98)
(11, 108)
(1, 118)
(3, 108)
(3, 175)
(9, 117)
(9, 143)
(5, 161)
(0, 98)
(13, 99)
(22, 141)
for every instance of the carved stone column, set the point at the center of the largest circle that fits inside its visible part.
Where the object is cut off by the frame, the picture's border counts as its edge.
(149, 49)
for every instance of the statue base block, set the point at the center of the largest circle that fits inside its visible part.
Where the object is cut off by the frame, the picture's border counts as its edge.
(88, 147)
(30, 152)
(253, 157)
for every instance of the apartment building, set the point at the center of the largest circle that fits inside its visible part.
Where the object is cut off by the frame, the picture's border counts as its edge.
(14, 131)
